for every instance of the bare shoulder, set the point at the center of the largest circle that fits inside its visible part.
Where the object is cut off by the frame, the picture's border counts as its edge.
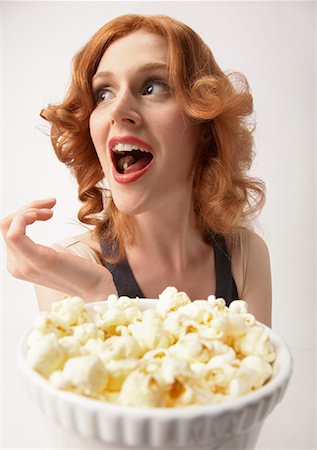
(252, 272)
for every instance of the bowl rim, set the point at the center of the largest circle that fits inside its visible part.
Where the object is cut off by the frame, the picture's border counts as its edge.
(282, 378)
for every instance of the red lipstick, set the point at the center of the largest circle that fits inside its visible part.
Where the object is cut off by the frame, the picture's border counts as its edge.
(131, 175)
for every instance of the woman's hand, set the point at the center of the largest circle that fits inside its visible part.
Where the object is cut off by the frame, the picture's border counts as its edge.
(45, 266)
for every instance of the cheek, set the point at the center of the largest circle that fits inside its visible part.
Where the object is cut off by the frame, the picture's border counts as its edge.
(98, 132)
(94, 128)
(183, 136)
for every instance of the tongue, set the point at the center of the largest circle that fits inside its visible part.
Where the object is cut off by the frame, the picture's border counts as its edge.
(135, 164)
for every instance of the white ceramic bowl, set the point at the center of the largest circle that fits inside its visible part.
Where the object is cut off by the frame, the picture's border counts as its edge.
(234, 425)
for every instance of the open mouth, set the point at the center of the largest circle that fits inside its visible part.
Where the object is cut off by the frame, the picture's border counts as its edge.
(129, 158)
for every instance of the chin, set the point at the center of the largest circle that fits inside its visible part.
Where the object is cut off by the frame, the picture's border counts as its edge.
(129, 205)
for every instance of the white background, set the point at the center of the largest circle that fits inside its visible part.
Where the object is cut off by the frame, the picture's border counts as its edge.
(274, 45)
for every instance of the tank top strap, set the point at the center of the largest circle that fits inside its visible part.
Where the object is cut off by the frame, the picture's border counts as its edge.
(121, 272)
(226, 287)
(127, 285)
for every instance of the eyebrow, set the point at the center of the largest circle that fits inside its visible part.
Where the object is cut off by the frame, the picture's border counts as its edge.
(144, 68)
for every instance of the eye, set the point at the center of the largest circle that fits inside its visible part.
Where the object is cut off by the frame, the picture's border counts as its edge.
(103, 94)
(155, 87)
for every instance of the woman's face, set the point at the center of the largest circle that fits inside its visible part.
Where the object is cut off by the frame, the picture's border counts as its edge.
(145, 144)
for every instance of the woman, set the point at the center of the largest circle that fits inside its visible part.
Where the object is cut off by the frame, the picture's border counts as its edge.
(149, 110)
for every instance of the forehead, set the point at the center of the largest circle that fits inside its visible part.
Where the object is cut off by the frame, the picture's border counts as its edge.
(137, 48)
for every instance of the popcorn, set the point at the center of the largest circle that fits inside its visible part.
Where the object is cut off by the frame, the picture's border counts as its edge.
(86, 374)
(220, 354)
(118, 370)
(120, 347)
(70, 345)
(200, 311)
(151, 332)
(190, 347)
(48, 323)
(255, 341)
(170, 300)
(242, 383)
(179, 353)
(142, 389)
(70, 310)
(46, 355)
(58, 380)
(86, 331)
(239, 307)
(262, 368)
(218, 304)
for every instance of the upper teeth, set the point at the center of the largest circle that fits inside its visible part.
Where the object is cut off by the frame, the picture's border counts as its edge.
(126, 148)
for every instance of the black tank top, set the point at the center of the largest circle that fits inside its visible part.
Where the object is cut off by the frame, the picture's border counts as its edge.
(126, 284)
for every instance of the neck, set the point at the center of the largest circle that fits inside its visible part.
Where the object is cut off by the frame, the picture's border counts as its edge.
(168, 234)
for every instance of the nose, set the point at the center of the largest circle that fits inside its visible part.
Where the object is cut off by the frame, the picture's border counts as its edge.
(125, 110)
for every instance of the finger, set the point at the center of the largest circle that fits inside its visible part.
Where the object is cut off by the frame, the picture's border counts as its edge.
(17, 229)
(19, 223)
(42, 203)
(36, 213)
(20, 244)
(39, 214)
(16, 238)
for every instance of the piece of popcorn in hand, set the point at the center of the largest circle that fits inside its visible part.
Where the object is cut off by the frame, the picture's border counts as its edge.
(46, 355)
(86, 374)
(71, 310)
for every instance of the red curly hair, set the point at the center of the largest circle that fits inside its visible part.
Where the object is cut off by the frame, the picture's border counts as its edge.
(224, 196)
